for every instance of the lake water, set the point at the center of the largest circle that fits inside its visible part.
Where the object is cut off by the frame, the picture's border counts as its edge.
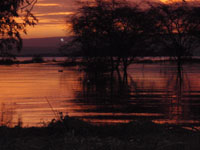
(36, 93)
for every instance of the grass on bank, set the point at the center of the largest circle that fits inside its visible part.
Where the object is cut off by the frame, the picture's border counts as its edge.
(69, 133)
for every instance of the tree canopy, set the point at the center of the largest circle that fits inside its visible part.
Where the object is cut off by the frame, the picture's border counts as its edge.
(110, 29)
(177, 28)
(15, 16)
(120, 31)
(107, 27)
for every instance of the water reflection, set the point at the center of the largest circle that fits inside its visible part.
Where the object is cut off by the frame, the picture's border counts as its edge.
(6, 114)
(24, 89)
(35, 93)
(177, 86)
(162, 95)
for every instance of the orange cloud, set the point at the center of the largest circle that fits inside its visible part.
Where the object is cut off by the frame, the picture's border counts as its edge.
(45, 31)
(56, 13)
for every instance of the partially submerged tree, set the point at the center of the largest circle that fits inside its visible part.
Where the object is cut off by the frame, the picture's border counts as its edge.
(108, 31)
(129, 34)
(176, 28)
(15, 16)
(116, 31)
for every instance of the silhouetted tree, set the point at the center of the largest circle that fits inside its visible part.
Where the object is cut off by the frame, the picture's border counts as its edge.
(108, 30)
(15, 16)
(130, 33)
(176, 28)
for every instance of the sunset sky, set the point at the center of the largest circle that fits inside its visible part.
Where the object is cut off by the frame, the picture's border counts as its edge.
(52, 17)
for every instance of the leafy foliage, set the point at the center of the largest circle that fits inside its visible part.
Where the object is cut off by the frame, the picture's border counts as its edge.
(109, 31)
(117, 31)
(107, 28)
(177, 27)
(15, 16)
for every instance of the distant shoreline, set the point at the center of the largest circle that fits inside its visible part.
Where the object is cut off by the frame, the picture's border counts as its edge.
(66, 61)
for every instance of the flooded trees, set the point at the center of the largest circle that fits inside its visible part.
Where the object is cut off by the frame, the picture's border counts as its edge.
(112, 33)
(15, 16)
(176, 29)
(130, 34)
(108, 31)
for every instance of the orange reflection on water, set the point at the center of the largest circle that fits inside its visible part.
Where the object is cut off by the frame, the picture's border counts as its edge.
(36, 93)
(177, 122)
(27, 88)
(106, 121)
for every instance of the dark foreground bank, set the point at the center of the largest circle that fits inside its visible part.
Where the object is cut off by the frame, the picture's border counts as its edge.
(72, 134)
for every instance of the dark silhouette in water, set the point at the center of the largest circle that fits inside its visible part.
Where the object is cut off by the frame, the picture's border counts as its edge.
(108, 93)
(109, 32)
(115, 32)
(108, 96)
(177, 87)
(176, 29)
